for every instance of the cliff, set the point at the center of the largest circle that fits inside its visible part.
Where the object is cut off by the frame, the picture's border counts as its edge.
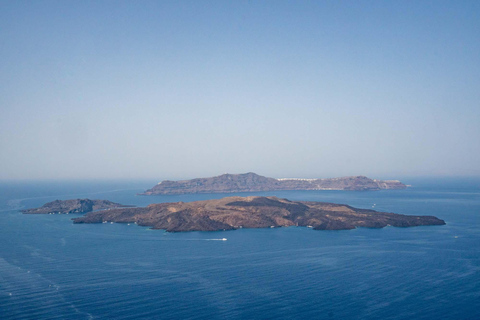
(252, 182)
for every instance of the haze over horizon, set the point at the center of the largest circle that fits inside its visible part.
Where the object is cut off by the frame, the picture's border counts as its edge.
(187, 89)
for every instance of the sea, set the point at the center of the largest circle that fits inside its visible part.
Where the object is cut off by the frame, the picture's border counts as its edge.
(51, 268)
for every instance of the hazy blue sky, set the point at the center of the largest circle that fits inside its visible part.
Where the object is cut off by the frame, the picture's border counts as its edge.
(183, 89)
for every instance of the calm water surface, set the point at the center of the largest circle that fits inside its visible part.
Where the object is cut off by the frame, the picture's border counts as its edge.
(53, 269)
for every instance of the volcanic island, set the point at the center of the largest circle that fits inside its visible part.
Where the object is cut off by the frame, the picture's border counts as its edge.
(232, 213)
(74, 206)
(252, 182)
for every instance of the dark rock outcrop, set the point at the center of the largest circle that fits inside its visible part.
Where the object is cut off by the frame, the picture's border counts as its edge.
(254, 212)
(73, 206)
(252, 182)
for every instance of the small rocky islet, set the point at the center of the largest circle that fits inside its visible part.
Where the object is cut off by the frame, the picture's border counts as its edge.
(74, 206)
(232, 213)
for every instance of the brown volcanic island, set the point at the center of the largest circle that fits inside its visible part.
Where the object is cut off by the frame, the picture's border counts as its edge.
(252, 182)
(254, 212)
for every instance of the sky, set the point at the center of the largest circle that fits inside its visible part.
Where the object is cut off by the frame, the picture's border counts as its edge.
(185, 89)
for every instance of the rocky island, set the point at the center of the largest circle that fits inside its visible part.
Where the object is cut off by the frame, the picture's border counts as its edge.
(254, 212)
(73, 206)
(252, 182)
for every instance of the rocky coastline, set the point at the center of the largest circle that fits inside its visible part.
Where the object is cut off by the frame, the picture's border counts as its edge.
(232, 213)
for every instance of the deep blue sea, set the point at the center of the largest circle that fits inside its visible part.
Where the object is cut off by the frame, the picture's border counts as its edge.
(53, 269)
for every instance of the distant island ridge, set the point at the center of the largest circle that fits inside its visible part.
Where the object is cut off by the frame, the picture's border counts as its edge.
(232, 213)
(252, 182)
